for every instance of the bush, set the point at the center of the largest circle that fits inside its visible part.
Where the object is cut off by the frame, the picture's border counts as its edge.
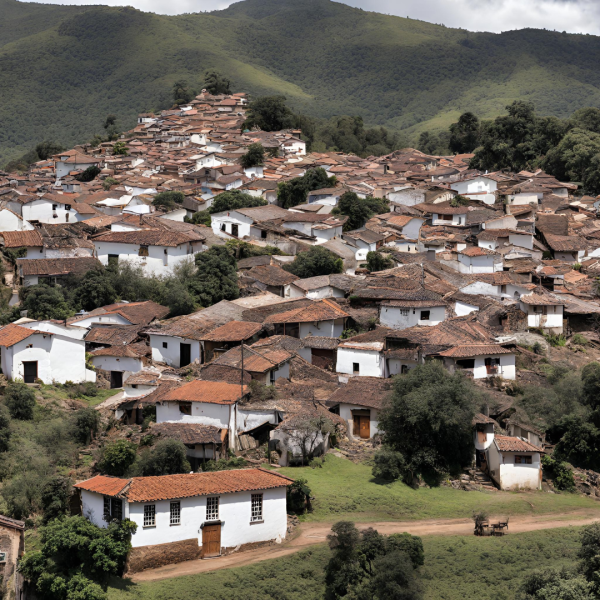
(55, 497)
(5, 432)
(580, 340)
(20, 400)
(89, 174)
(225, 464)
(314, 262)
(560, 473)
(117, 458)
(376, 261)
(298, 496)
(85, 425)
(389, 464)
(168, 200)
(168, 457)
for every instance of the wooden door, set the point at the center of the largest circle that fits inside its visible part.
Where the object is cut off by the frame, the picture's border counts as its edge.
(185, 354)
(30, 371)
(365, 427)
(211, 540)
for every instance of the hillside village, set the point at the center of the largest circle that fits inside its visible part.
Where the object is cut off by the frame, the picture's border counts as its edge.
(482, 272)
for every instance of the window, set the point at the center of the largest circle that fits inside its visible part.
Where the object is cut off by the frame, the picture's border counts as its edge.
(150, 515)
(272, 377)
(425, 315)
(257, 508)
(522, 460)
(165, 251)
(54, 207)
(67, 207)
(175, 513)
(143, 251)
(113, 509)
(355, 368)
(404, 312)
(165, 345)
(185, 408)
(29, 346)
(212, 509)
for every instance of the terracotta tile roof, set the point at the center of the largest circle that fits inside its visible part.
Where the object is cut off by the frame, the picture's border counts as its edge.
(468, 350)
(22, 239)
(536, 298)
(137, 313)
(12, 523)
(481, 419)
(552, 224)
(123, 351)
(101, 484)
(12, 334)
(565, 243)
(234, 331)
(323, 310)
(443, 208)
(167, 487)
(149, 237)
(57, 266)
(477, 251)
(504, 443)
(271, 275)
(190, 433)
(213, 392)
(362, 391)
(256, 360)
(113, 335)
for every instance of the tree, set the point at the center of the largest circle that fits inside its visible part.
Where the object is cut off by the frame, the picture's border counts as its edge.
(434, 143)
(269, 113)
(5, 432)
(182, 94)
(254, 157)
(316, 261)
(359, 210)
(19, 398)
(376, 261)
(202, 217)
(75, 555)
(389, 465)
(168, 457)
(556, 584)
(117, 458)
(46, 149)
(580, 444)
(410, 544)
(307, 433)
(43, 302)
(234, 199)
(85, 425)
(178, 298)
(120, 149)
(590, 377)
(216, 84)
(295, 191)
(393, 579)
(428, 420)
(55, 497)
(298, 496)
(110, 125)
(168, 200)
(464, 134)
(589, 553)
(94, 290)
(89, 174)
(215, 278)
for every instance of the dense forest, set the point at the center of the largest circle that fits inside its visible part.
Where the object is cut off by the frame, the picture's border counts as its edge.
(64, 68)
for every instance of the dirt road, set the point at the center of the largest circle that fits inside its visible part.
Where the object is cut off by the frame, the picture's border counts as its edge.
(309, 534)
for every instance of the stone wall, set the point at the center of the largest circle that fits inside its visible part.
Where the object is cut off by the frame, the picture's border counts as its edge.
(150, 557)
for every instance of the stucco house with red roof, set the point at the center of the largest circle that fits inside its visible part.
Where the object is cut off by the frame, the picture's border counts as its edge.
(189, 516)
(514, 464)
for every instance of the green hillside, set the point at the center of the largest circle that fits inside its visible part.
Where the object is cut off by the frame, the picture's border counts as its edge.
(64, 68)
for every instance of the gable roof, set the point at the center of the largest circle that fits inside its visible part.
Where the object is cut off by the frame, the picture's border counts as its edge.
(469, 350)
(505, 443)
(212, 392)
(323, 310)
(150, 237)
(362, 391)
(234, 331)
(271, 275)
(12, 334)
(22, 239)
(57, 266)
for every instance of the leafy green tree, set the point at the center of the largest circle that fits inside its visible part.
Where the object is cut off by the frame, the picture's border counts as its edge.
(168, 457)
(589, 553)
(182, 94)
(388, 465)
(46, 149)
(94, 290)
(556, 584)
(580, 445)
(178, 298)
(298, 496)
(269, 113)
(234, 199)
(254, 157)
(75, 557)
(44, 302)
(428, 420)
(55, 497)
(241, 249)
(120, 149)
(215, 278)
(202, 217)
(117, 457)
(409, 544)
(376, 261)
(393, 578)
(168, 200)
(590, 377)
(464, 134)
(295, 191)
(216, 84)
(19, 398)
(89, 174)
(5, 431)
(586, 118)
(434, 143)
(316, 261)
(85, 425)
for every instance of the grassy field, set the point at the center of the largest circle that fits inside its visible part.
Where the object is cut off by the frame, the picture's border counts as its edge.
(346, 490)
(455, 568)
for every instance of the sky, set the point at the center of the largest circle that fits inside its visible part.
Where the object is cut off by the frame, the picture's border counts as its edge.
(573, 16)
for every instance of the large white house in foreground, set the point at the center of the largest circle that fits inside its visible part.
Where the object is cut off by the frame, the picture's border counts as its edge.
(196, 515)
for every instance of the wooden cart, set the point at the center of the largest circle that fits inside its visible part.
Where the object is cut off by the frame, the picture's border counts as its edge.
(492, 526)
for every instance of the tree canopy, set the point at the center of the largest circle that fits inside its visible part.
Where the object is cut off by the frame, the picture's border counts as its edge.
(235, 199)
(215, 278)
(269, 113)
(295, 191)
(254, 157)
(168, 200)
(216, 84)
(314, 262)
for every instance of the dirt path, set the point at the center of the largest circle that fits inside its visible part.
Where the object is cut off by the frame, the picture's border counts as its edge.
(309, 534)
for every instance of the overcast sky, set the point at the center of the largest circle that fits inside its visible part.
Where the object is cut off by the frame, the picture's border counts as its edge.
(575, 16)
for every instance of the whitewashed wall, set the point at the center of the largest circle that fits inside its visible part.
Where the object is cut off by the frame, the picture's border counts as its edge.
(171, 355)
(371, 362)
(391, 316)
(322, 328)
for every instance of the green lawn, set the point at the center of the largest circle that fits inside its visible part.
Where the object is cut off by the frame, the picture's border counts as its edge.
(455, 568)
(346, 490)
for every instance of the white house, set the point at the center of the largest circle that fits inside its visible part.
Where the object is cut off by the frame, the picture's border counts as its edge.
(183, 517)
(32, 354)
(401, 314)
(55, 208)
(157, 251)
(320, 226)
(445, 214)
(238, 222)
(361, 358)
(479, 260)
(477, 187)
(482, 360)
(317, 288)
(543, 310)
(175, 350)
(329, 196)
(493, 239)
(322, 318)
(514, 464)
(12, 221)
(364, 241)
(30, 240)
(119, 361)
(71, 160)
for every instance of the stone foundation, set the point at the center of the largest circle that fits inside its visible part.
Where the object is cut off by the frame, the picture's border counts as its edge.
(159, 555)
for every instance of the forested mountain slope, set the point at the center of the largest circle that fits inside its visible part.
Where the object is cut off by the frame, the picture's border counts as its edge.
(64, 68)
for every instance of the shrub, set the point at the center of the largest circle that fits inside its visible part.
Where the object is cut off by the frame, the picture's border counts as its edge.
(376, 261)
(20, 400)
(168, 200)
(560, 473)
(5, 432)
(85, 425)
(168, 457)
(580, 340)
(314, 262)
(298, 496)
(117, 458)
(225, 464)
(55, 497)
(389, 464)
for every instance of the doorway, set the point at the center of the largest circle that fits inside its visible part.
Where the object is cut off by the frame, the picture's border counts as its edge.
(211, 540)
(362, 425)
(116, 379)
(30, 371)
(185, 354)
(234, 229)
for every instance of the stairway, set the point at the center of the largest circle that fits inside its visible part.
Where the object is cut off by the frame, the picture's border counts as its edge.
(482, 479)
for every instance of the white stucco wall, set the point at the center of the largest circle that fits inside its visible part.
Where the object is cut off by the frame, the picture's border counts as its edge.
(518, 476)
(371, 362)
(462, 308)
(506, 369)
(171, 355)
(392, 316)
(322, 328)
(552, 320)
(217, 220)
(127, 365)
(394, 365)
(346, 414)
(9, 221)
(108, 319)
(488, 430)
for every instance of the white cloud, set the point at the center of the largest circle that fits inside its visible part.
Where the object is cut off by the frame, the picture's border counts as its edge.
(573, 16)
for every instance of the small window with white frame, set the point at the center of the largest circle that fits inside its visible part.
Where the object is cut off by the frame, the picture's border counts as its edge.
(175, 513)
(404, 312)
(212, 508)
(257, 508)
(149, 515)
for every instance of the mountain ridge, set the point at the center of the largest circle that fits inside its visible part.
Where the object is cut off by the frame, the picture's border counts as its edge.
(64, 68)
